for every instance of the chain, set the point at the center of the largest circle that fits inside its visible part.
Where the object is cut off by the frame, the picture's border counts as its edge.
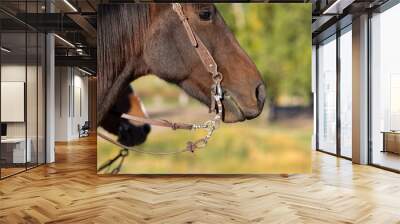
(215, 106)
(123, 153)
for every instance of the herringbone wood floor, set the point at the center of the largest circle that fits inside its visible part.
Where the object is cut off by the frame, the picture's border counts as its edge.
(69, 191)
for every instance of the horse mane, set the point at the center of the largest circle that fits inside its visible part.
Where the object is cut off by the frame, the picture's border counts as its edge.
(121, 29)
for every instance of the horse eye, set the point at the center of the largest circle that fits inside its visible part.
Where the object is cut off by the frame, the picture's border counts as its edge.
(205, 15)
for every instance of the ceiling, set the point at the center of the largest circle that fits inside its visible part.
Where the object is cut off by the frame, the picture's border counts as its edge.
(74, 21)
(75, 28)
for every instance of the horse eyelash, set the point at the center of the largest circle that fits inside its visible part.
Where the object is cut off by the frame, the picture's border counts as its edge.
(211, 14)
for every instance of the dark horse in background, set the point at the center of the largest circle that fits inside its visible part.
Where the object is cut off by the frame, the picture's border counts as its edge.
(128, 133)
(139, 39)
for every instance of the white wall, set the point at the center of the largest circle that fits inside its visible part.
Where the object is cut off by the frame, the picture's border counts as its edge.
(12, 73)
(33, 126)
(61, 103)
(16, 73)
(80, 97)
(71, 102)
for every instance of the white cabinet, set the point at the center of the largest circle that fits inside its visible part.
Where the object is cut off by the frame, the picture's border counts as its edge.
(17, 146)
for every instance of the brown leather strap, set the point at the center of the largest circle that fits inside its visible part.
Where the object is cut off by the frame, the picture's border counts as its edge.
(157, 122)
(190, 147)
(179, 11)
(201, 49)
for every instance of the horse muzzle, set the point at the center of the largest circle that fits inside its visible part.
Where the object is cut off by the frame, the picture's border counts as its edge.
(231, 112)
(131, 135)
(234, 112)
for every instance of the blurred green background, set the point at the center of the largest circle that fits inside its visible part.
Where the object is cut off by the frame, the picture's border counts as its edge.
(278, 39)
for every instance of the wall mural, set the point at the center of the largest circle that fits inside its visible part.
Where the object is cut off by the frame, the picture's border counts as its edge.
(185, 88)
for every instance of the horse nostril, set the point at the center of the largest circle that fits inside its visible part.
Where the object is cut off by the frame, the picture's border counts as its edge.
(146, 128)
(260, 95)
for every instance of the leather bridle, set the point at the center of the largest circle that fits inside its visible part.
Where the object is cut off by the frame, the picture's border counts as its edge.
(216, 96)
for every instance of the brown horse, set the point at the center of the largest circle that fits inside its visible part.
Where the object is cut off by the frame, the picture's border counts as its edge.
(139, 39)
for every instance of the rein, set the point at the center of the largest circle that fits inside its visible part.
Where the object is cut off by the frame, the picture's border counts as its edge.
(216, 101)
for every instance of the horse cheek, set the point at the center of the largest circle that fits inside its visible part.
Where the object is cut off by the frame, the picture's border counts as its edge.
(164, 59)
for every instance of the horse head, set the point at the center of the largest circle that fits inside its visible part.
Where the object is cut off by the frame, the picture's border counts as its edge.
(153, 40)
(168, 54)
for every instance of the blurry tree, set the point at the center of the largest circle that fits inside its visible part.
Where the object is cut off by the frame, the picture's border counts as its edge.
(278, 39)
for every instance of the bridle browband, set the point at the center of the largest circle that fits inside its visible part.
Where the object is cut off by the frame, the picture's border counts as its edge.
(216, 98)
